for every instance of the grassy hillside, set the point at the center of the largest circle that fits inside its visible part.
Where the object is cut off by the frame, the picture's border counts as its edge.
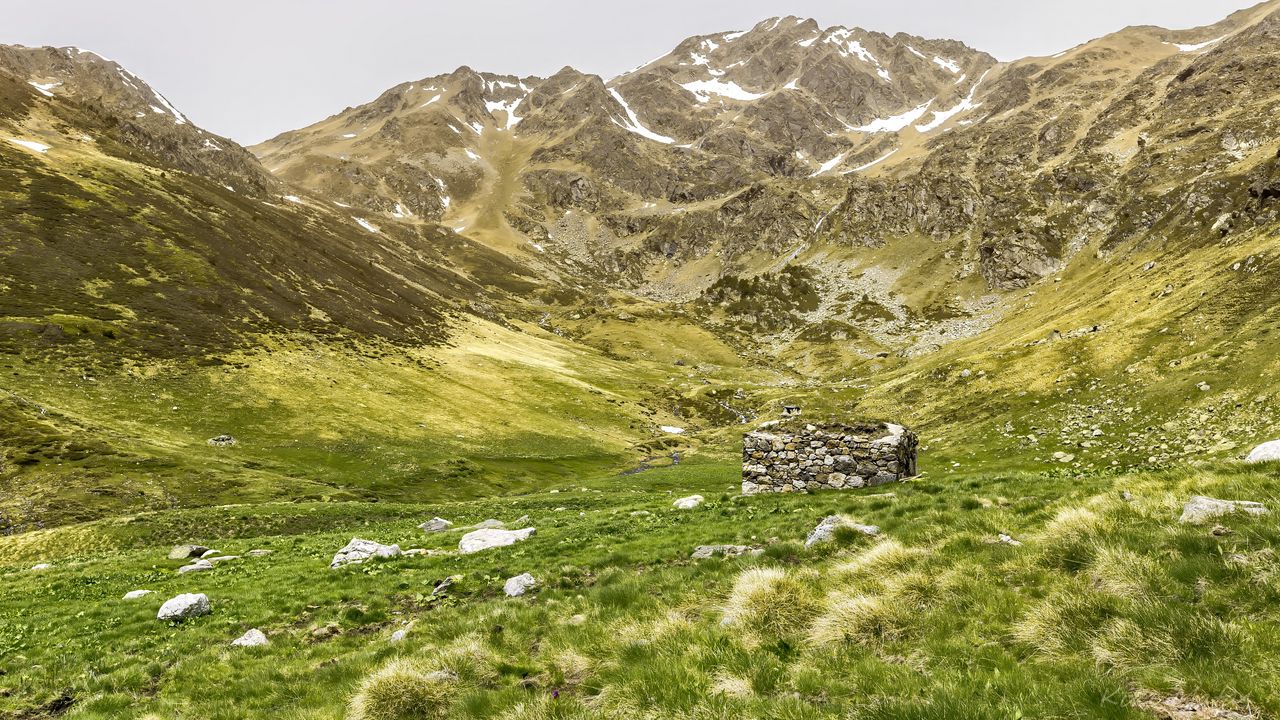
(1108, 608)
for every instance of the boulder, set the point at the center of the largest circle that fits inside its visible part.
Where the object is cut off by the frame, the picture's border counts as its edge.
(357, 551)
(209, 553)
(215, 559)
(1200, 508)
(398, 635)
(184, 607)
(826, 530)
(486, 538)
(185, 552)
(702, 552)
(222, 441)
(1266, 452)
(519, 585)
(688, 503)
(136, 594)
(196, 566)
(252, 638)
(435, 525)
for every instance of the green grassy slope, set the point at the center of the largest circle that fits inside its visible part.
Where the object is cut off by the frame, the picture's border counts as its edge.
(1108, 607)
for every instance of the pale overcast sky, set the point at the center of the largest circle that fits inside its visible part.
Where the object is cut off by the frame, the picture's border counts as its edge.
(249, 69)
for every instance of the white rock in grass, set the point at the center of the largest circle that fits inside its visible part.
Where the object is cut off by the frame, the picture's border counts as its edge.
(185, 606)
(136, 594)
(357, 551)
(41, 566)
(437, 524)
(196, 566)
(184, 552)
(399, 635)
(519, 585)
(219, 558)
(1008, 540)
(1266, 452)
(826, 530)
(703, 552)
(253, 638)
(1200, 508)
(688, 503)
(478, 540)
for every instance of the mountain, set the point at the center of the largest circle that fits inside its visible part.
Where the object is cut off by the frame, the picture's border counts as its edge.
(482, 281)
(557, 304)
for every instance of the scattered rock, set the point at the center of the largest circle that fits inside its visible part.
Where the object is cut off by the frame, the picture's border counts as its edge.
(357, 551)
(324, 632)
(519, 585)
(185, 552)
(196, 566)
(435, 525)
(1126, 496)
(252, 638)
(1175, 707)
(688, 503)
(222, 441)
(522, 520)
(258, 553)
(489, 524)
(486, 538)
(398, 636)
(577, 619)
(703, 552)
(184, 607)
(135, 594)
(1221, 531)
(442, 587)
(219, 558)
(1008, 540)
(1063, 457)
(209, 553)
(1200, 508)
(413, 552)
(640, 513)
(826, 530)
(1266, 452)
(41, 566)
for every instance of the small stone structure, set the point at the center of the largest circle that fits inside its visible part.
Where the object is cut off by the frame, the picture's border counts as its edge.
(826, 457)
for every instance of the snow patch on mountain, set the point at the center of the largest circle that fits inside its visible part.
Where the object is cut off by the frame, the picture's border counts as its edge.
(30, 145)
(873, 163)
(366, 224)
(896, 122)
(44, 88)
(947, 64)
(828, 165)
(633, 122)
(1198, 46)
(509, 107)
(965, 105)
(704, 89)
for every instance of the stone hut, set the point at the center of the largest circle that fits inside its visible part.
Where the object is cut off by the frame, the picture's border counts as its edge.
(812, 457)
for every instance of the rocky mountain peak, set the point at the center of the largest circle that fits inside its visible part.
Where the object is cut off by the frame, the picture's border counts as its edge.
(140, 114)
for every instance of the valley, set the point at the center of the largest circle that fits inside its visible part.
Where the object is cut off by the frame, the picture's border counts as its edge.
(565, 300)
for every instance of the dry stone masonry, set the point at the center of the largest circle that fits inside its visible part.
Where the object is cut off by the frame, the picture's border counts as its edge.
(826, 457)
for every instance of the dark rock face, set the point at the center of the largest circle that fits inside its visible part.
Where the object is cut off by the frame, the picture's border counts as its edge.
(829, 457)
